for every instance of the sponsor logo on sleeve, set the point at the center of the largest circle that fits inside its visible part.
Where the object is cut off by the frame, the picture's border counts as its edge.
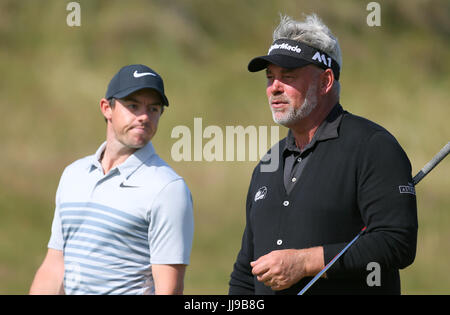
(408, 189)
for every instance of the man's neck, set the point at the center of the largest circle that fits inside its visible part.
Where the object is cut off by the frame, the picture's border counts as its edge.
(304, 130)
(114, 154)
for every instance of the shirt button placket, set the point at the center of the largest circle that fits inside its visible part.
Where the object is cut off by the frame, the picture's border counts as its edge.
(279, 241)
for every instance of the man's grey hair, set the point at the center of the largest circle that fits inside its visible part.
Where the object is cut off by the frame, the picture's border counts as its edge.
(312, 32)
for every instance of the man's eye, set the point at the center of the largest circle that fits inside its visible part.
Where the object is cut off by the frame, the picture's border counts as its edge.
(154, 109)
(132, 106)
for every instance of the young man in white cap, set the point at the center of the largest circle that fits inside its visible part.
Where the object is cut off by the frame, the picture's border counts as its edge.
(123, 221)
(337, 174)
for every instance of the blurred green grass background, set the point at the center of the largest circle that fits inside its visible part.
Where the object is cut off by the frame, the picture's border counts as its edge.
(53, 77)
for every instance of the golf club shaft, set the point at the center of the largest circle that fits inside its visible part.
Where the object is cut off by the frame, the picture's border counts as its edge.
(430, 165)
(424, 171)
(330, 263)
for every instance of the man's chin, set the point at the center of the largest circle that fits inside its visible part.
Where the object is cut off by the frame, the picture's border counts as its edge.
(282, 120)
(139, 144)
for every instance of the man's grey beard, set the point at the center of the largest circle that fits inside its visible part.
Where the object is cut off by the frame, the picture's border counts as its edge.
(293, 115)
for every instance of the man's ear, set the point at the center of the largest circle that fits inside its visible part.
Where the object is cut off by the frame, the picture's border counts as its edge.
(326, 81)
(106, 109)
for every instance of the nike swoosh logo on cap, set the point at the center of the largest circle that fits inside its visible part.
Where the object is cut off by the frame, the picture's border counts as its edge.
(138, 75)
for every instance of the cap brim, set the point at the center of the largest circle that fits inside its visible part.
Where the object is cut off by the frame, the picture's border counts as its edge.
(260, 63)
(128, 91)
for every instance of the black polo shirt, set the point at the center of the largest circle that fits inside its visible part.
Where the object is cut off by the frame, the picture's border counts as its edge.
(352, 179)
(296, 159)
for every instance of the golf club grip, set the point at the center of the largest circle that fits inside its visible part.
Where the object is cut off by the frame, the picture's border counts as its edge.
(430, 165)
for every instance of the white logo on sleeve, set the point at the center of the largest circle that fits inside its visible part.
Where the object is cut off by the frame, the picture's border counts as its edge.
(261, 193)
(407, 189)
(138, 75)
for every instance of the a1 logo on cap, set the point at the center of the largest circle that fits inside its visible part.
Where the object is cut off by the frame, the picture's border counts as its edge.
(322, 58)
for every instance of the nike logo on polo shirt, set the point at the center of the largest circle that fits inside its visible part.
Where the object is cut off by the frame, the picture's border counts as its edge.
(138, 75)
(125, 184)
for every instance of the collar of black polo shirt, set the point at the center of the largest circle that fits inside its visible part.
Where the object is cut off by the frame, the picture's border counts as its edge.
(328, 129)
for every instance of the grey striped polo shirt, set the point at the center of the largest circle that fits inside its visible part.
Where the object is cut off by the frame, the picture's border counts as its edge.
(112, 228)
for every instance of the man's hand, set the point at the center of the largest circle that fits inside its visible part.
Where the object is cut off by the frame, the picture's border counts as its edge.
(280, 269)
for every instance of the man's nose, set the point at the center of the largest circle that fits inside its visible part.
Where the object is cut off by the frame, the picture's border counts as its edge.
(144, 115)
(276, 87)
